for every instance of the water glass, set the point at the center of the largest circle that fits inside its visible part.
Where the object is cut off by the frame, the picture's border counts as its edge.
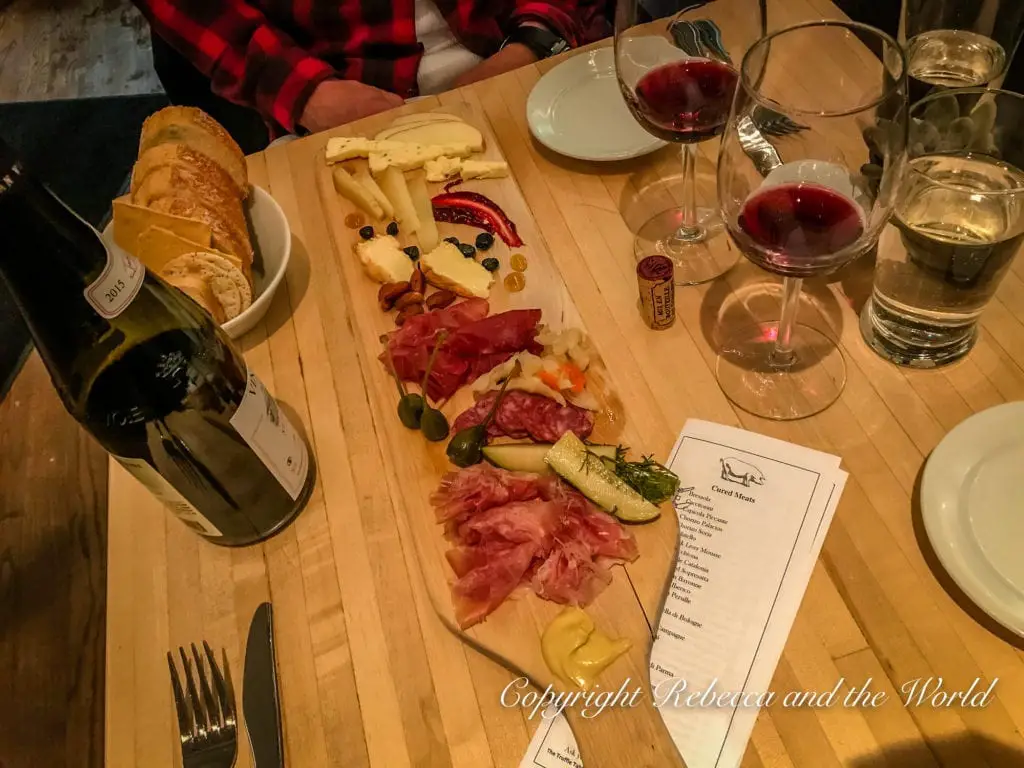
(956, 227)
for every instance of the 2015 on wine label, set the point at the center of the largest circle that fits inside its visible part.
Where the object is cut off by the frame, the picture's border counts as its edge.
(119, 283)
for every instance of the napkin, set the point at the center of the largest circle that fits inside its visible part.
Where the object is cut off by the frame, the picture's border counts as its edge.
(753, 513)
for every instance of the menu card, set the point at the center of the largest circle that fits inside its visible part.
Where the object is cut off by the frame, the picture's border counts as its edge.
(753, 513)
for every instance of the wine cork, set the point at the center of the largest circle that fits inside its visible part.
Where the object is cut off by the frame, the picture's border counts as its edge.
(657, 291)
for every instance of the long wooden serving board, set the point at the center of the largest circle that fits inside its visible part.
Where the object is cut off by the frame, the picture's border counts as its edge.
(620, 736)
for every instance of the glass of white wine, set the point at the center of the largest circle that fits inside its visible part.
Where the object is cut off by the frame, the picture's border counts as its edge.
(956, 228)
(959, 43)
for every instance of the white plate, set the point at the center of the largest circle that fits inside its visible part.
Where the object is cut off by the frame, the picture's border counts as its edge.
(272, 238)
(577, 110)
(972, 502)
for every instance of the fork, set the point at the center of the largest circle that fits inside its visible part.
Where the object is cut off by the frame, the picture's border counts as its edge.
(703, 38)
(209, 738)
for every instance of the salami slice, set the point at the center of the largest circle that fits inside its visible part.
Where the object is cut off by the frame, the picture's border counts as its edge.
(524, 414)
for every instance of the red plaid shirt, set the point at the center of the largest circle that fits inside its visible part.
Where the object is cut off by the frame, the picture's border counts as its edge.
(271, 54)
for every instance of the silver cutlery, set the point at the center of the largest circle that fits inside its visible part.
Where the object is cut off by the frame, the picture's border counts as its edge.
(757, 147)
(260, 702)
(206, 716)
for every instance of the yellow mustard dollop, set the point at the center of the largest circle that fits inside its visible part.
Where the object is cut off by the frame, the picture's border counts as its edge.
(576, 651)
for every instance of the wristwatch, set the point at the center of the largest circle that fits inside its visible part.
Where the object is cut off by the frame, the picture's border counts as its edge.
(540, 40)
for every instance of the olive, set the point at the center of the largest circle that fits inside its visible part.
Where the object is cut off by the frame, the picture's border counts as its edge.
(490, 264)
(433, 424)
(484, 241)
(466, 448)
(412, 252)
(467, 250)
(392, 228)
(453, 240)
(366, 232)
(410, 410)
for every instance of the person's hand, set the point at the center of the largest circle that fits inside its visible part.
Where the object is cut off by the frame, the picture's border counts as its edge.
(512, 56)
(335, 102)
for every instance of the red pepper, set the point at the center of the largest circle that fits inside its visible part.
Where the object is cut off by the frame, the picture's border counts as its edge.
(476, 210)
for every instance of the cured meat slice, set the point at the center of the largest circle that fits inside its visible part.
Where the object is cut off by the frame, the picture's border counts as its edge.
(482, 589)
(570, 576)
(474, 489)
(514, 528)
(534, 521)
(522, 414)
(475, 344)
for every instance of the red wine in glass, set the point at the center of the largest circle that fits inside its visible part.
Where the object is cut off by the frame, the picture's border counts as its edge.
(684, 101)
(797, 226)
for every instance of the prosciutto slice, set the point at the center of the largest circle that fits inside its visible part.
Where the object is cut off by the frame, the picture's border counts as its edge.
(474, 345)
(515, 529)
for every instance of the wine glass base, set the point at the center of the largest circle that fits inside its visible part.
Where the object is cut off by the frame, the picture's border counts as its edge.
(700, 255)
(752, 379)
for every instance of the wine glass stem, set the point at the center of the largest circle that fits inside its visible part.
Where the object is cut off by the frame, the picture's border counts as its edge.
(690, 231)
(782, 355)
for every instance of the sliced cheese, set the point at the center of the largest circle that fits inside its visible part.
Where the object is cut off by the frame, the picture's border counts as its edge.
(157, 246)
(442, 169)
(427, 230)
(355, 192)
(407, 157)
(484, 169)
(384, 260)
(363, 177)
(342, 148)
(448, 134)
(446, 267)
(130, 221)
(392, 184)
(424, 117)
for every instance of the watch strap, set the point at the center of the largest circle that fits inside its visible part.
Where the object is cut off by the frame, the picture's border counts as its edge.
(541, 41)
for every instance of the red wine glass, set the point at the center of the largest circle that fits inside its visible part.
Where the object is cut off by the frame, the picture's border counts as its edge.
(676, 63)
(806, 204)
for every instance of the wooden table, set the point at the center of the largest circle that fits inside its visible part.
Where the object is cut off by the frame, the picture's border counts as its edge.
(368, 674)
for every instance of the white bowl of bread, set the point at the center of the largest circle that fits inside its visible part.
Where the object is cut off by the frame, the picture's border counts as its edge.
(192, 218)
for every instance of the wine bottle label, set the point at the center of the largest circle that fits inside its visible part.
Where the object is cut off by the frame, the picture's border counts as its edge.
(272, 437)
(165, 492)
(119, 283)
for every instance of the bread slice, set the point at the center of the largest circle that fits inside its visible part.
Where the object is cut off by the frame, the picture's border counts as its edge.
(178, 155)
(225, 280)
(157, 246)
(201, 133)
(193, 285)
(229, 229)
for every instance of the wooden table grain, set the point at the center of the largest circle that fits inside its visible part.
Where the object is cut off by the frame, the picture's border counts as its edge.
(370, 676)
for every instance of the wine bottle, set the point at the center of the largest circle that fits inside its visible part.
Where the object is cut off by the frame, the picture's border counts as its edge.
(148, 373)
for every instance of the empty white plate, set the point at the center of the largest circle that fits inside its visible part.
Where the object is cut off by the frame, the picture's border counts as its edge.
(577, 110)
(972, 502)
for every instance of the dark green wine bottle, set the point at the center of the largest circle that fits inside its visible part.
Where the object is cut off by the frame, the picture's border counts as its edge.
(148, 373)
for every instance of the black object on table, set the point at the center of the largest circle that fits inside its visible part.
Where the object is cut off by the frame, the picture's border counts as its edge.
(84, 149)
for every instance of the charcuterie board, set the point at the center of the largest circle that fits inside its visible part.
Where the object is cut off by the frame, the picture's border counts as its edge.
(511, 635)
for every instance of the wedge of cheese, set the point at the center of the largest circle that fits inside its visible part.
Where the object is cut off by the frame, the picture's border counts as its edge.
(484, 169)
(392, 184)
(465, 138)
(363, 178)
(446, 267)
(442, 168)
(130, 221)
(158, 246)
(426, 233)
(407, 157)
(384, 260)
(342, 148)
(356, 193)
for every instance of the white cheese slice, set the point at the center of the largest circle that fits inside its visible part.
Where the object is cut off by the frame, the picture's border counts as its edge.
(426, 233)
(442, 169)
(392, 184)
(406, 157)
(484, 169)
(384, 260)
(446, 267)
(342, 148)
(437, 133)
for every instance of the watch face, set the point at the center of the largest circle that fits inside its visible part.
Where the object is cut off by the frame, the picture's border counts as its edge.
(559, 46)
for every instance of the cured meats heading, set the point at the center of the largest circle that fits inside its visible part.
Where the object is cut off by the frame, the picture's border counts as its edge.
(512, 529)
(524, 414)
(474, 345)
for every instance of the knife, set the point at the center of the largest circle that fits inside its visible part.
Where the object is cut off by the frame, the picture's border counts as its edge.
(260, 703)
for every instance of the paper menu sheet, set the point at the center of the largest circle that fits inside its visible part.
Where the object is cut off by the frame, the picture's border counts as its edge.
(753, 513)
